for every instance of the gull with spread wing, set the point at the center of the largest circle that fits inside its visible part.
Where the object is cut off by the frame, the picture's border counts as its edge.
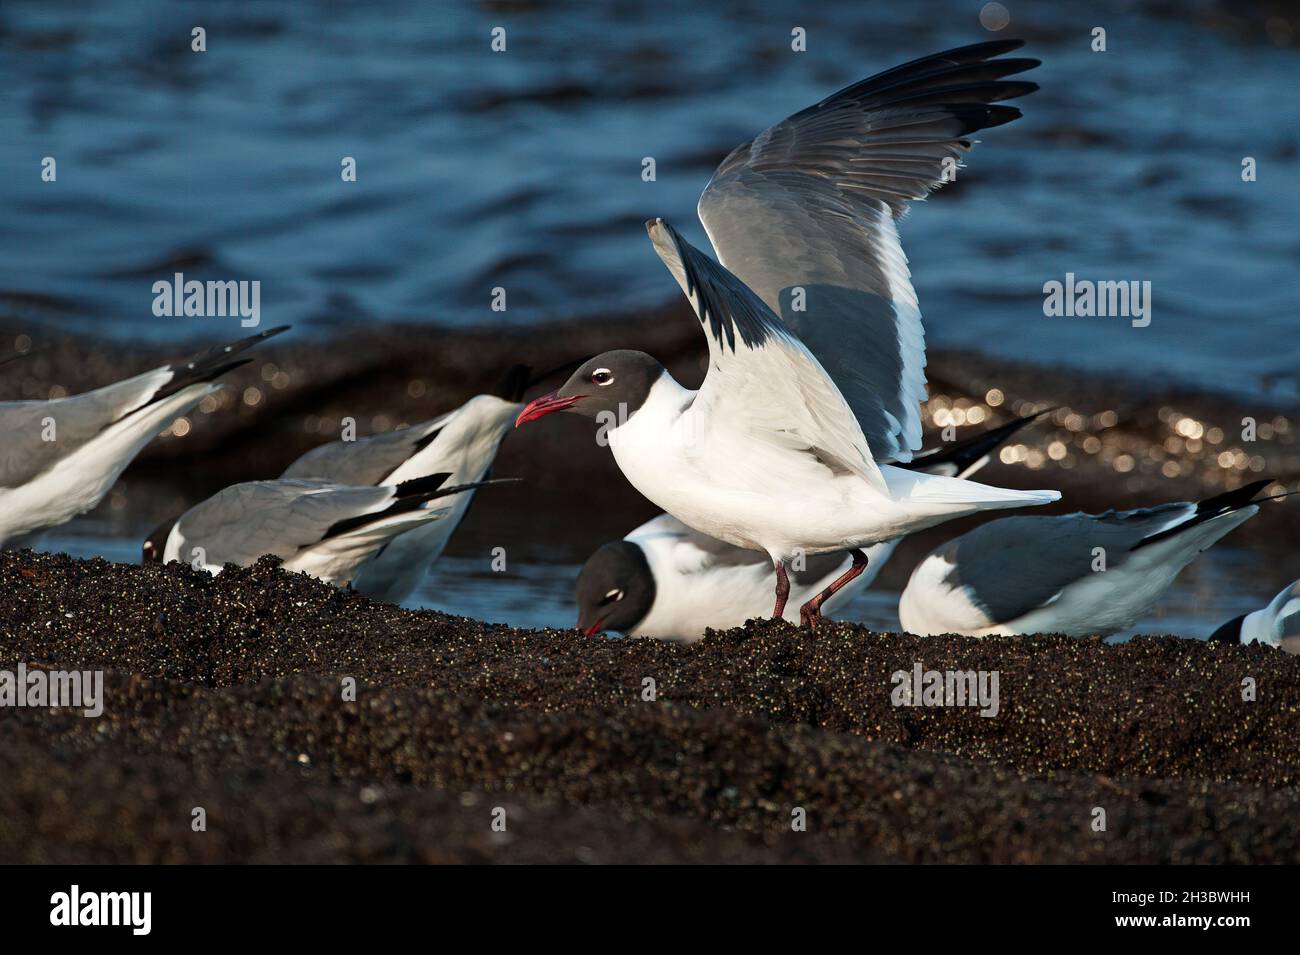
(816, 351)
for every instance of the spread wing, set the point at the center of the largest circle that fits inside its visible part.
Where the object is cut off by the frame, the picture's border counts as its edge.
(763, 384)
(804, 215)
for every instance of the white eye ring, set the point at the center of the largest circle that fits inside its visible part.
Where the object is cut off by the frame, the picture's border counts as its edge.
(609, 380)
(614, 594)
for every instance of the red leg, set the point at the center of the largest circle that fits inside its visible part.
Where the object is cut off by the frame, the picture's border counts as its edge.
(782, 590)
(811, 612)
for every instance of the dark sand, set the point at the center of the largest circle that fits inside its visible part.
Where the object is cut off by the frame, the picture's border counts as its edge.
(225, 693)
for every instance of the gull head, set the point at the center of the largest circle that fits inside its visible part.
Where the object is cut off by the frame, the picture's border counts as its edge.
(151, 551)
(615, 589)
(613, 383)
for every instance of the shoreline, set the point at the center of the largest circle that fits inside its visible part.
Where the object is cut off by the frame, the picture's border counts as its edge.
(1124, 442)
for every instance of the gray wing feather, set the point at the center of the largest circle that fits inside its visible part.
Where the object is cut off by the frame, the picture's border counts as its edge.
(804, 215)
(1012, 566)
(366, 460)
(239, 524)
(25, 454)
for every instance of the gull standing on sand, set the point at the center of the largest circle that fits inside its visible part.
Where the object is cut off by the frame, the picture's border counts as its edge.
(1076, 574)
(666, 580)
(1277, 625)
(322, 528)
(816, 351)
(60, 457)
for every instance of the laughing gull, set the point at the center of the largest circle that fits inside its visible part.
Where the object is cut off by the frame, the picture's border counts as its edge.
(461, 443)
(1277, 625)
(669, 581)
(1076, 574)
(322, 528)
(60, 457)
(816, 351)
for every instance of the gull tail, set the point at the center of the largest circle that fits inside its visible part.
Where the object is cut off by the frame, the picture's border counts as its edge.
(939, 495)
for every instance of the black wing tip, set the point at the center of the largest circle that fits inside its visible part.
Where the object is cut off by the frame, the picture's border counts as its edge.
(249, 341)
(1212, 507)
(417, 487)
(513, 383)
(271, 332)
(433, 486)
(994, 115)
(975, 447)
(1233, 500)
(474, 485)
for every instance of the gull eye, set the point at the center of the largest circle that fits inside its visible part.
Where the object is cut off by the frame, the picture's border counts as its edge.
(602, 376)
(614, 595)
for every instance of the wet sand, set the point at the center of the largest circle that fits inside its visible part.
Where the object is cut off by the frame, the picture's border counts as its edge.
(226, 693)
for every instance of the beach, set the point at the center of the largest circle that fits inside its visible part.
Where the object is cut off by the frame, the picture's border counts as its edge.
(227, 694)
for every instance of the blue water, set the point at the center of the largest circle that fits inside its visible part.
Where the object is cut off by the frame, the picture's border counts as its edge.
(522, 169)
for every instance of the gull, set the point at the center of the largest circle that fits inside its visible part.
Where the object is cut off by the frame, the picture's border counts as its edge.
(668, 581)
(462, 444)
(816, 351)
(1277, 625)
(60, 457)
(322, 528)
(1076, 574)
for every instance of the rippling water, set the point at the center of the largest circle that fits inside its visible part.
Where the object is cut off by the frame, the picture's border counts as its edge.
(522, 169)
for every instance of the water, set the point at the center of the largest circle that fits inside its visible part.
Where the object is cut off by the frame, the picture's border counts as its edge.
(1222, 583)
(522, 169)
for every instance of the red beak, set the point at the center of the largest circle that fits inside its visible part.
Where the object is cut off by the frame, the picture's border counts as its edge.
(595, 628)
(540, 407)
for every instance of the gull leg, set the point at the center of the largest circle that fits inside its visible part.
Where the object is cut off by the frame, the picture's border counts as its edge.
(811, 612)
(782, 590)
